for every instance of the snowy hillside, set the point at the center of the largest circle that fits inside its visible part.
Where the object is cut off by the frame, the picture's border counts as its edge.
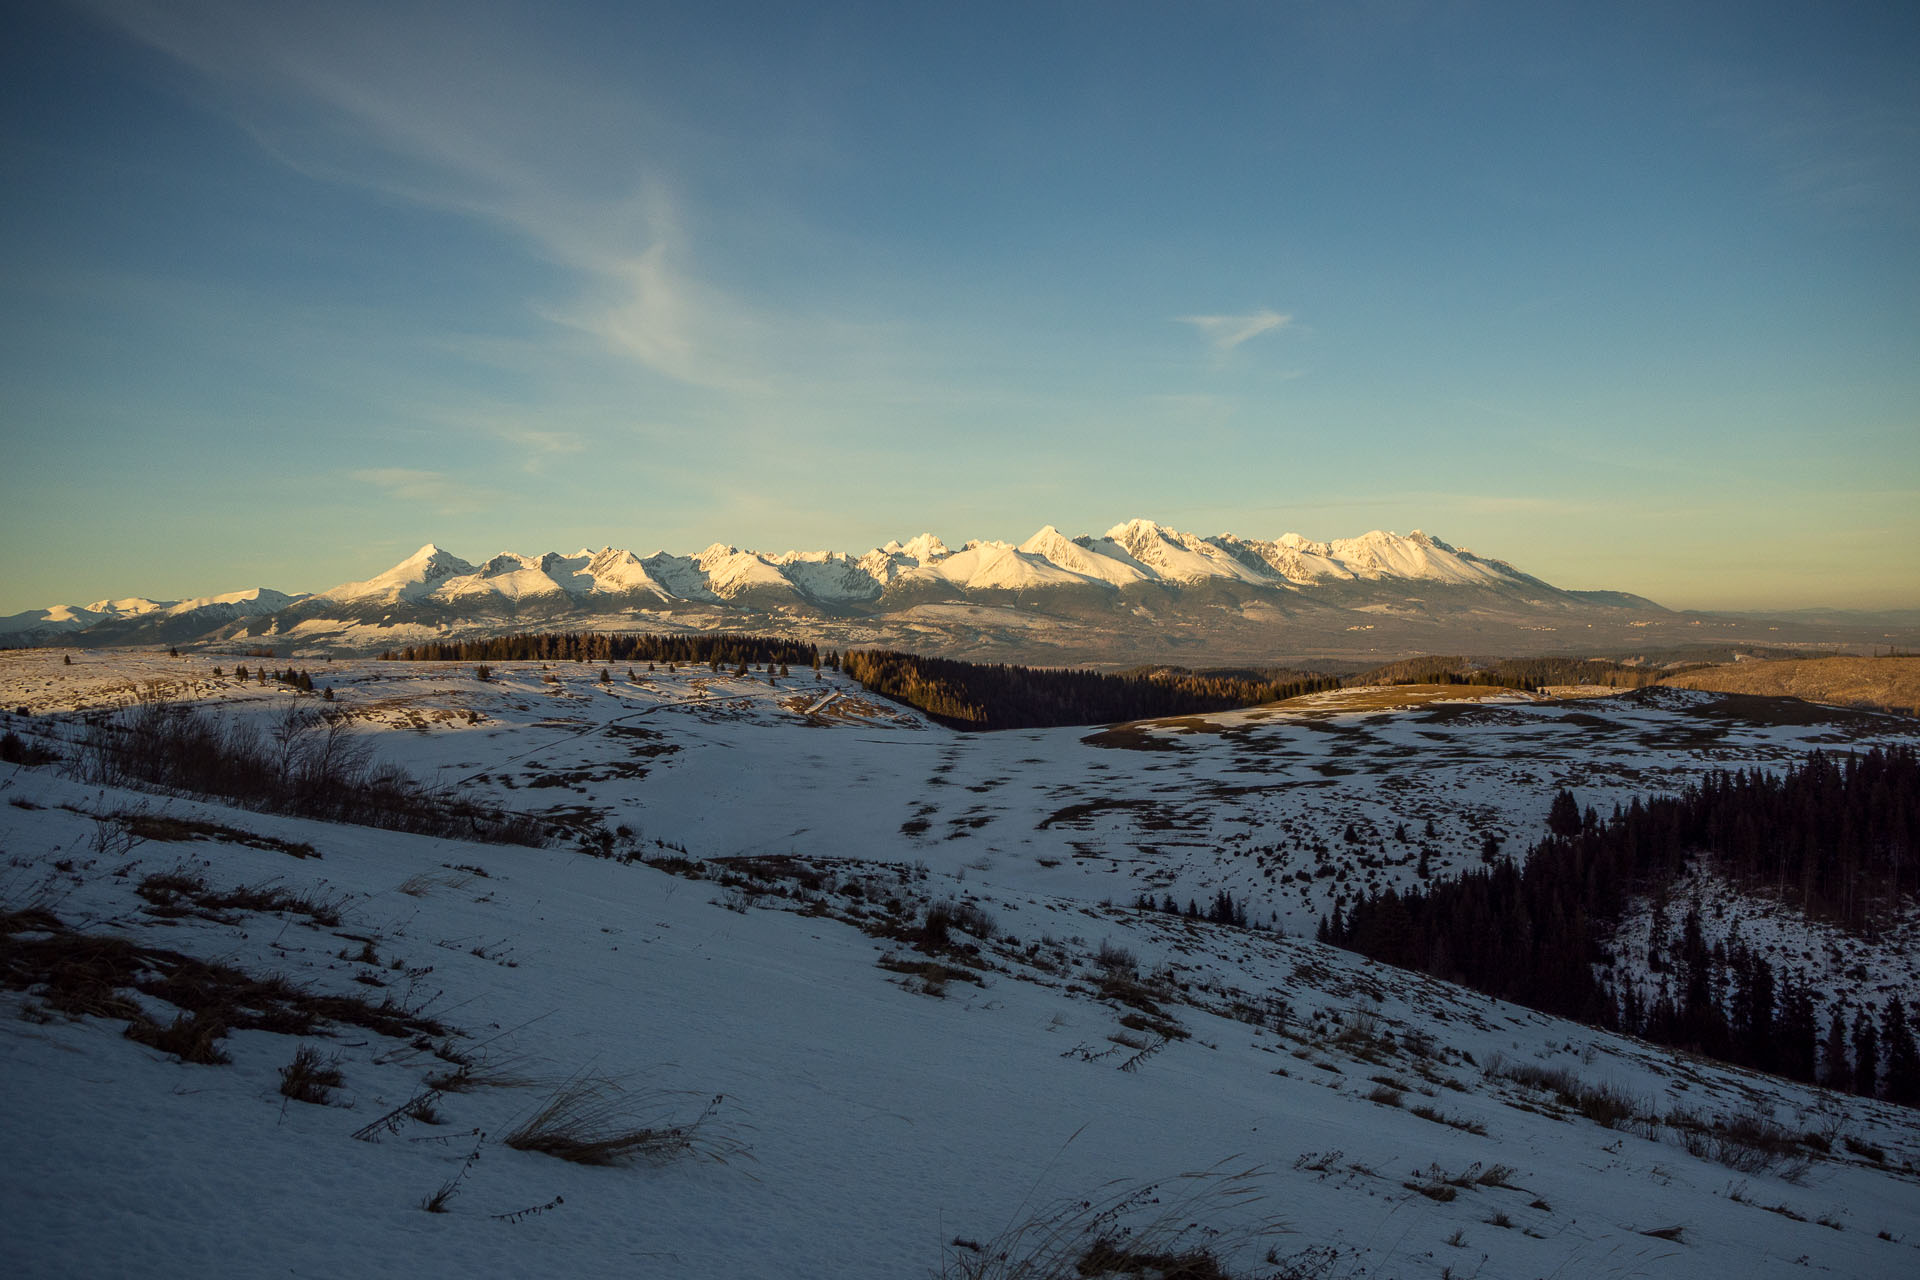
(880, 1001)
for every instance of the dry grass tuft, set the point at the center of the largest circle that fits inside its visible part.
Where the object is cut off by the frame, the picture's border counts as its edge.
(465, 1077)
(928, 977)
(191, 1037)
(1152, 1230)
(591, 1120)
(310, 1077)
(82, 974)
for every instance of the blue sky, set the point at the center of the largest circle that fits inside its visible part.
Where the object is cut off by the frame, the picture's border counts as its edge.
(1626, 295)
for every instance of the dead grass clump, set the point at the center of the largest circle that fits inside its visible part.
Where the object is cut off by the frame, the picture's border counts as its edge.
(1867, 1149)
(1165, 1028)
(184, 891)
(77, 974)
(1555, 1080)
(166, 888)
(675, 864)
(1154, 1231)
(165, 827)
(1452, 1122)
(591, 1120)
(928, 977)
(90, 974)
(190, 1037)
(1113, 1256)
(28, 920)
(465, 1077)
(315, 906)
(1494, 1175)
(310, 1077)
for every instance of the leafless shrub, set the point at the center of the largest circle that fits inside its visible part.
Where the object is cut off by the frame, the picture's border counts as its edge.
(309, 763)
(968, 917)
(1116, 959)
(1607, 1105)
(1747, 1142)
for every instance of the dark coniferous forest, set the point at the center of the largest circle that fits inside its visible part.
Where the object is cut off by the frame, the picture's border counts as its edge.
(960, 695)
(971, 696)
(601, 646)
(1839, 838)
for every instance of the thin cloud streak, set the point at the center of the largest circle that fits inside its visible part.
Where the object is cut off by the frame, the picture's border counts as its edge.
(434, 489)
(1228, 332)
(379, 100)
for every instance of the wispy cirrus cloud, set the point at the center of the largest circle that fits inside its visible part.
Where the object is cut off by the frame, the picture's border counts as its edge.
(445, 494)
(1225, 333)
(481, 120)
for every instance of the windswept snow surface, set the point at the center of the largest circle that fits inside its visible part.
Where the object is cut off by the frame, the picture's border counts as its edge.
(856, 1124)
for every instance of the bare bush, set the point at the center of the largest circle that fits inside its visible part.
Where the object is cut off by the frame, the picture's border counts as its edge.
(1747, 1142)
(1116, 959)
(1607, 1105)
(310, 764)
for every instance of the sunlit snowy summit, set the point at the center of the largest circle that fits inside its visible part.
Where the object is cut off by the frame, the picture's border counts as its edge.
(1120, 593)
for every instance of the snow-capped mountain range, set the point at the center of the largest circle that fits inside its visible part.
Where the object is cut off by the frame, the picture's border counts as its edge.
(1138, 551)
(1139, 590)
(62, 618)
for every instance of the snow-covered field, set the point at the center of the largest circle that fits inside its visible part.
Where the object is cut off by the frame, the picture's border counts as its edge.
(854, 1096)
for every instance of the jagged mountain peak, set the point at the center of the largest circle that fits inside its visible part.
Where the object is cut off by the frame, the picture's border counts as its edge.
(434, 587)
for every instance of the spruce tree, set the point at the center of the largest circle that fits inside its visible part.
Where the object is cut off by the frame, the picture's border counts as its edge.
(1563, 819)
(1902, 1058)
(1797, 1030)
(1835, 1073)
(1866, 1054)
